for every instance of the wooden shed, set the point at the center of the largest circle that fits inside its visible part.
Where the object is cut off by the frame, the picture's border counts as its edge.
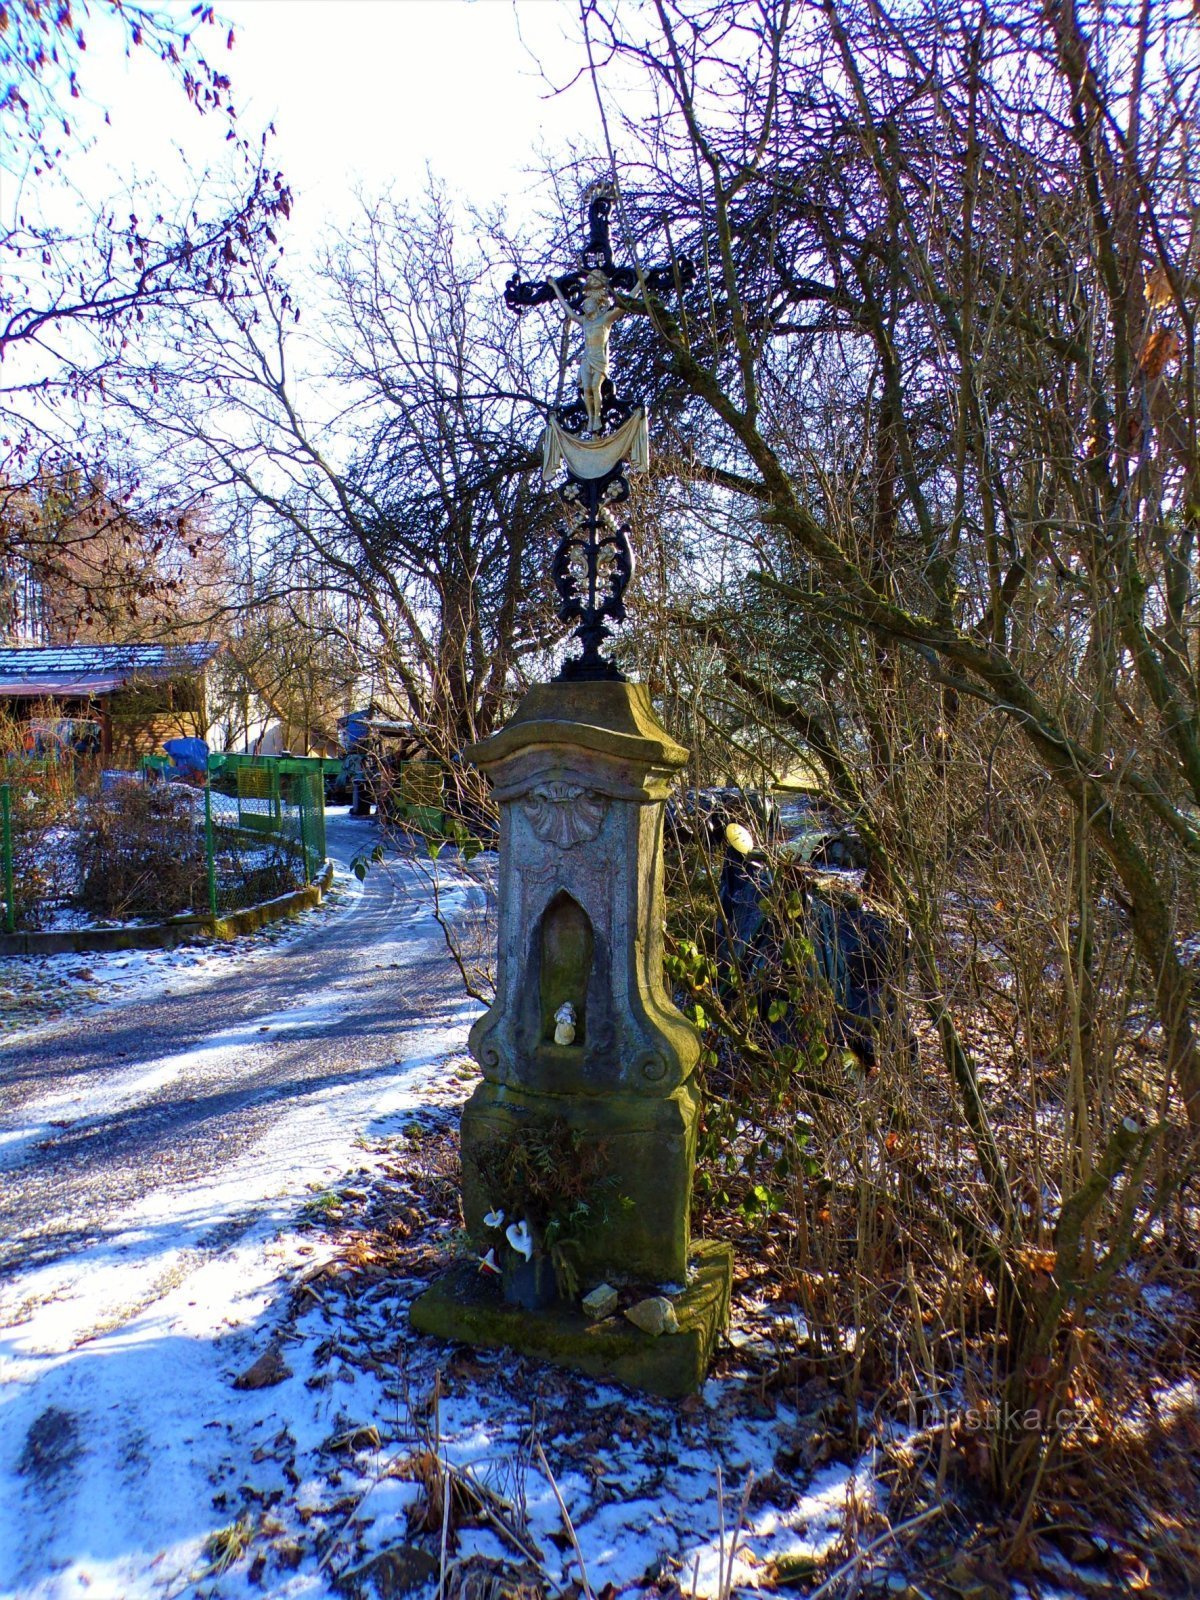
(136, 695)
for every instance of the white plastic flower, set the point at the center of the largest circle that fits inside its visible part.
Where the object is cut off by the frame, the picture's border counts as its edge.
(493, 1219)
(487, 1263)
(519, 1236)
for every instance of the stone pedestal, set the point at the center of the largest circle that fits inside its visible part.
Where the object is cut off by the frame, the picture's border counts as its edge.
(581, 774)
(466, 1308)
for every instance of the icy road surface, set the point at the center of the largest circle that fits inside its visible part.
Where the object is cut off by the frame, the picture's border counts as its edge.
(151, 1141)
(114, 1124)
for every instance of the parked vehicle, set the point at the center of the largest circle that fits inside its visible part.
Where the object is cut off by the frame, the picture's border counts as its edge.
(370, 744)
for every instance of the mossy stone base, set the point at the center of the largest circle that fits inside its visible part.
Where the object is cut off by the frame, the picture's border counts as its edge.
(465, 1306)
(650, 1147)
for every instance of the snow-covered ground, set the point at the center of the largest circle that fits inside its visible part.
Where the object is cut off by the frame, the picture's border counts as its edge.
(129, 1453)
(125, 1448)
(127, 1346)
(120, 1347)
(220, 1395)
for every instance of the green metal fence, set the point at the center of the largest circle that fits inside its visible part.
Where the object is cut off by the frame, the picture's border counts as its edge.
(262, 815)
(137, 846)
(417, 800)
(6, 850)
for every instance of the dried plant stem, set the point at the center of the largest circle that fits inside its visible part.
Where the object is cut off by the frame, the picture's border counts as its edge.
(567, 1523)
(859, 1556)
(720, 1532)
(447, 1491)
(725, 1566)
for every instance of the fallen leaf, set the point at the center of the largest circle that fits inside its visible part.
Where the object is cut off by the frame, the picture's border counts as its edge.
(268, 1370)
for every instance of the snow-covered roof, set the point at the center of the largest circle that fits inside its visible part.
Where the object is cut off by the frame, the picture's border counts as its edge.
(83, 669)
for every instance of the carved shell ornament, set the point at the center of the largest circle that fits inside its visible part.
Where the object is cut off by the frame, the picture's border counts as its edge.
(564, 814)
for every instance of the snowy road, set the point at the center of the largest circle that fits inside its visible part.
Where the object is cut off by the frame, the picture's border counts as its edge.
(149, 1098)
(155, 1156)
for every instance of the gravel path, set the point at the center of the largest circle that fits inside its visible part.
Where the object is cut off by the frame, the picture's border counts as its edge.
(98, 1113)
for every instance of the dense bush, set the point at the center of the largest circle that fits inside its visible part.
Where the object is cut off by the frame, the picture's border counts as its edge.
(140, 852)
(41, 798)
(40, 803)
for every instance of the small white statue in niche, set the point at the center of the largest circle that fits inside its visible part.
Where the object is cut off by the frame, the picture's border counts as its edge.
(564, 1024)
(596, 318)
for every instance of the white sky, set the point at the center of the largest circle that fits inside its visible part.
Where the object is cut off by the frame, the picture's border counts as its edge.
(363, 94)
(366, 92)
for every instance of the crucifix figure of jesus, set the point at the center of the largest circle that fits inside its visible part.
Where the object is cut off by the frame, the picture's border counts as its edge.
(595, 317)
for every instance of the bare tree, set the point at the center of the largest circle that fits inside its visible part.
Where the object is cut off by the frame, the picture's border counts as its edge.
(945, 360)
(89, 562)
(80, 279)
(386, 461)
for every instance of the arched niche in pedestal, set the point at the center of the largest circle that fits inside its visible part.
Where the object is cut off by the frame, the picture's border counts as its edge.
(562, 958)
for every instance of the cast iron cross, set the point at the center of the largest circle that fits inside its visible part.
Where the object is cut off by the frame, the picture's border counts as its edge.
(594, 561)
(597, 256)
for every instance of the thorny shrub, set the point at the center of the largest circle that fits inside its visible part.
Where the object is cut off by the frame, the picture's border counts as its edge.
(979, 1271)
(941, 453)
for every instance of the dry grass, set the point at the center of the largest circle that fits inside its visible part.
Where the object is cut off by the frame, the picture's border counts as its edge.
(1027, 1348)
(228, 1545)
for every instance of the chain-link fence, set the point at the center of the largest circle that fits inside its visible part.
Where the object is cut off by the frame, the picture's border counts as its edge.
(141, 846)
